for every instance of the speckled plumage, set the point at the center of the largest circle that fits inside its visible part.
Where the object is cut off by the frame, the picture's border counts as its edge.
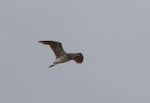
(61, 55)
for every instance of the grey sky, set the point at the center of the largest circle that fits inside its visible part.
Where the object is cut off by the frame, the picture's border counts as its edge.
(113, 35)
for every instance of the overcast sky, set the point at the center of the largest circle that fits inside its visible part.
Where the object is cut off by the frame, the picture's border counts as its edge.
(113, 35)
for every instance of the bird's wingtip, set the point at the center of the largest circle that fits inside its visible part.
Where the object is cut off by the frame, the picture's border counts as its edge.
(40, 41)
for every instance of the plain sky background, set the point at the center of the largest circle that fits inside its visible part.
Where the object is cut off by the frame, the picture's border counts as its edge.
(113, 35)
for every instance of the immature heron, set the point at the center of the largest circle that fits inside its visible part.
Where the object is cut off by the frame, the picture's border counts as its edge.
(61, 55)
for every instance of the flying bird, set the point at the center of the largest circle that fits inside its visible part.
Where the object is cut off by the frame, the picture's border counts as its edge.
(61, 55)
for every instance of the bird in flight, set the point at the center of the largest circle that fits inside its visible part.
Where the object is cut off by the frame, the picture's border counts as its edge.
(61, 55)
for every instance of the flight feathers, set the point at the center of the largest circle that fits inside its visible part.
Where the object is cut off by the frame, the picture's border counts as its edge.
(61, 55)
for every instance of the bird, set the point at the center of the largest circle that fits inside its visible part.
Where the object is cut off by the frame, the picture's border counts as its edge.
(61, 55)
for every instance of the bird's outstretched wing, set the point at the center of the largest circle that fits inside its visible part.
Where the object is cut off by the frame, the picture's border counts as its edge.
(56, 47)
(78, 58)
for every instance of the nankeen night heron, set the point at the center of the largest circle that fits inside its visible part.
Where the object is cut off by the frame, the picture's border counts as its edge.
(61, 55)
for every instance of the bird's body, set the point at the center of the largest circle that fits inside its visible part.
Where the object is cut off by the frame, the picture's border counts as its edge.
(61, 55)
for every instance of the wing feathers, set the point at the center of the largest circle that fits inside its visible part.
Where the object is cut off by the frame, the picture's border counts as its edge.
(56, 47)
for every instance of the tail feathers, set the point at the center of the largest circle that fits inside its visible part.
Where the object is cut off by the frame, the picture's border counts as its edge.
(78, 58)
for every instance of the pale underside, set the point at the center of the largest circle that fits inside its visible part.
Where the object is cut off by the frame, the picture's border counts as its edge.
(61, 55)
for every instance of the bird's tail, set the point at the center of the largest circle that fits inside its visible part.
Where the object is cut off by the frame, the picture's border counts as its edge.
(78, 58)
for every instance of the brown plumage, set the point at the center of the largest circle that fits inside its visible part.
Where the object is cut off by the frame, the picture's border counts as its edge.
(61, 55)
